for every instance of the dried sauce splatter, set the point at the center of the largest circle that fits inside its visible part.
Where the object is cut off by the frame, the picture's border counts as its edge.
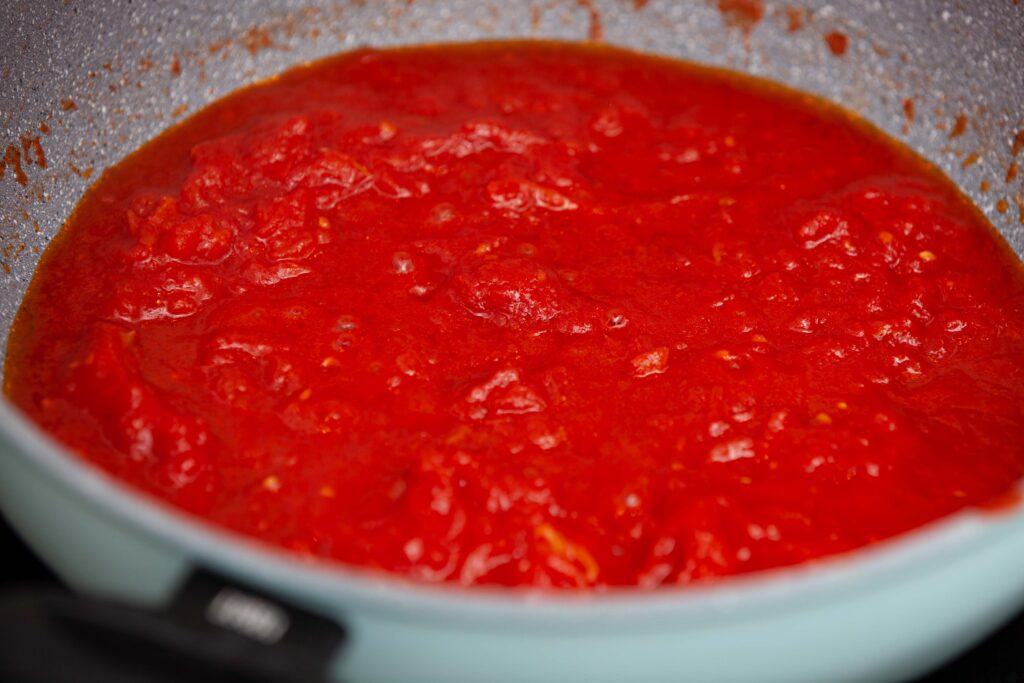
(959, 126)
(596, 27)
(795, 17)
(741, 14)
(837, 42)
(908, 109)
(12, 160)
(32, 151)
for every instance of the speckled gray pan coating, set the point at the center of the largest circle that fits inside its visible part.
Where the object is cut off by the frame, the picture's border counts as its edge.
(131, 70)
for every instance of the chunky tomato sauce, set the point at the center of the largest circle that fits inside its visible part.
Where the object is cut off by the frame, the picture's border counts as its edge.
(533, 314)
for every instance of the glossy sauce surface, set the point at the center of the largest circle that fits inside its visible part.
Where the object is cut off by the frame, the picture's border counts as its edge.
(532, 314)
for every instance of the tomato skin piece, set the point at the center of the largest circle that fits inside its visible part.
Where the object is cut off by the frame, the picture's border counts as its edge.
(533, 314)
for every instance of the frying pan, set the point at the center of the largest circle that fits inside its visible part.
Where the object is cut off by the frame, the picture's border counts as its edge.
(84, 83)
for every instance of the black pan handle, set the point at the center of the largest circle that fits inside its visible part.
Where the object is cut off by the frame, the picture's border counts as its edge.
(215, 630)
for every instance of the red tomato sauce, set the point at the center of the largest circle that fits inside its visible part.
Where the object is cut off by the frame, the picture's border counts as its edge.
(533, 314)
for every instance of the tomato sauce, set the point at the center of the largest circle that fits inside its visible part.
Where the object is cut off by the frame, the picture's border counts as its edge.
(533, 314)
